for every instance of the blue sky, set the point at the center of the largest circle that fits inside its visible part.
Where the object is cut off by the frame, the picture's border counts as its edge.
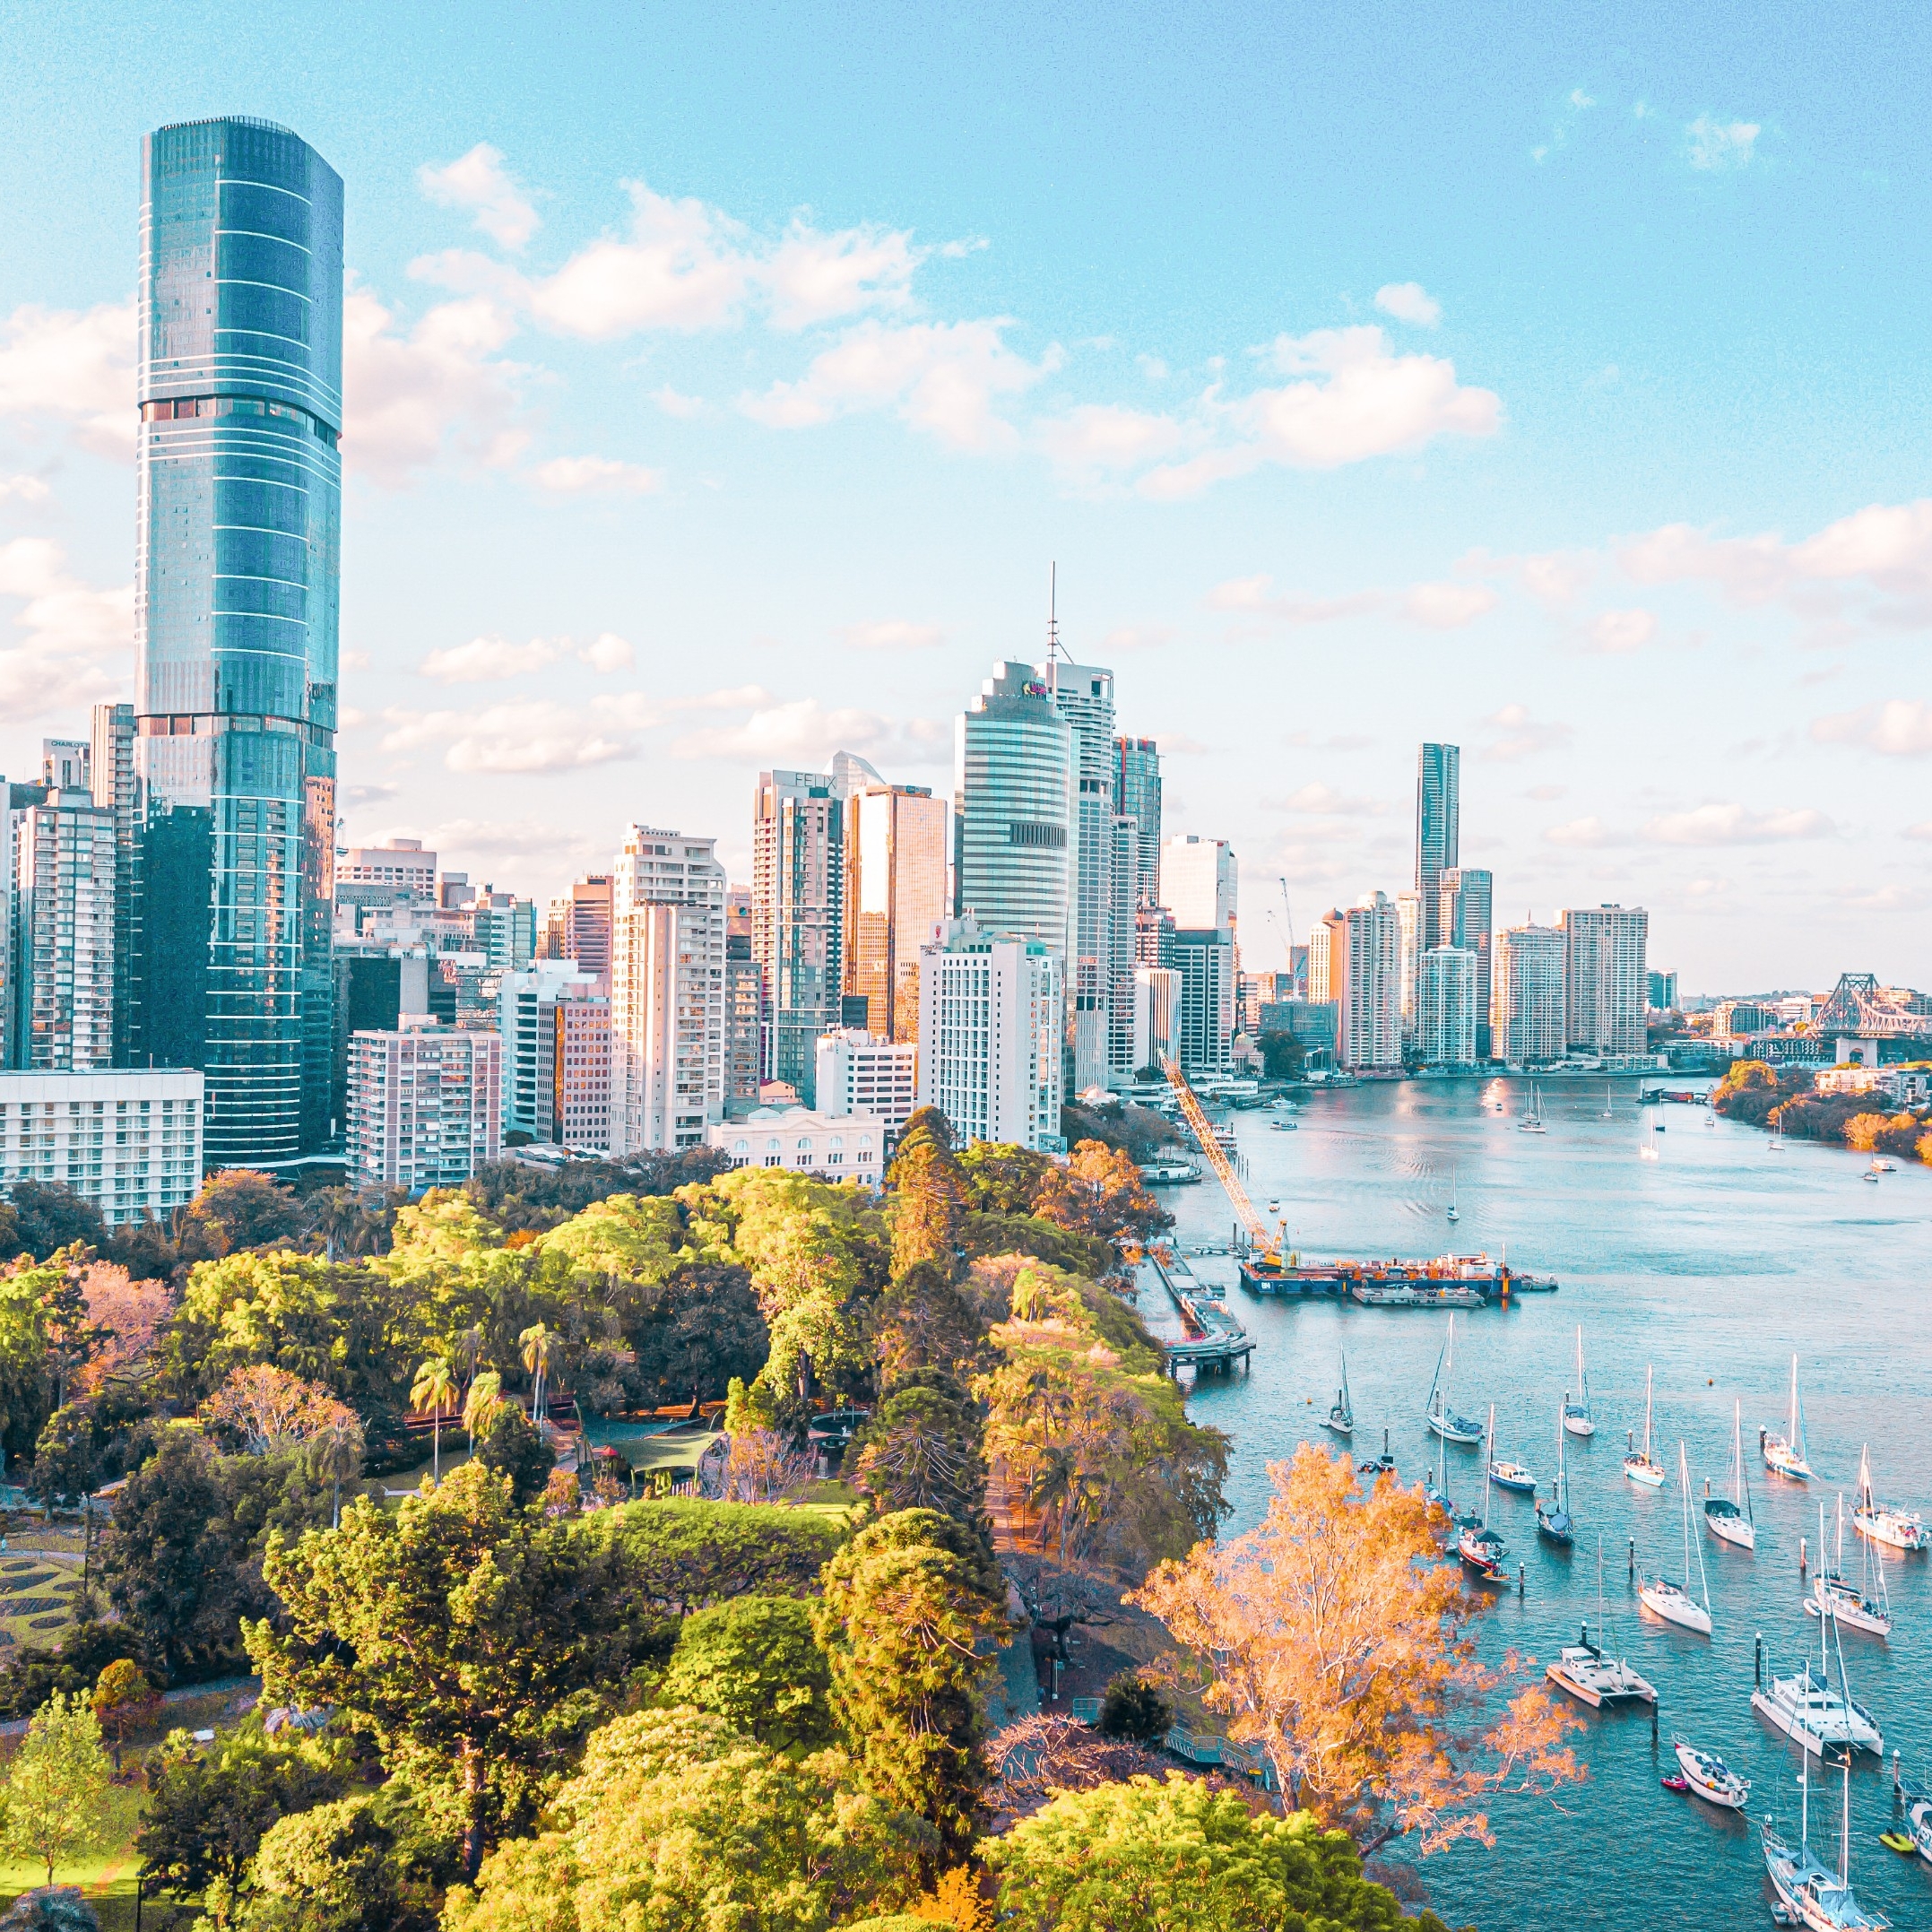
(724, 380)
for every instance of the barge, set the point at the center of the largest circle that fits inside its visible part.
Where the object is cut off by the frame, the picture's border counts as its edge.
(1449, 1281)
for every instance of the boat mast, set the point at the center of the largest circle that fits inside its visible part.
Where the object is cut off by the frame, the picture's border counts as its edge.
(1648, 1376)
(1489, 1463)
(1563, 1479)
(1844, 1829)
(1703, 1578)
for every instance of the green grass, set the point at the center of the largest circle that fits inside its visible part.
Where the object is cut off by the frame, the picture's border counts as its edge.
(105, 1879)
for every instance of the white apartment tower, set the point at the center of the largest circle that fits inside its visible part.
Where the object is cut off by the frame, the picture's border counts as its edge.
(1445, 1006)
(1409, 958)
(1606, 979)
(1083, 695)
(667, 993)
(1363, 980)
(860, 1073)
(1526, 995)
(62, 926)
(425, 1105)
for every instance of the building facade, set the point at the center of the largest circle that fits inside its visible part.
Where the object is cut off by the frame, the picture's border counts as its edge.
(1438, 830)
(1204, 1017)
(1083, 694)
(1408, 959)
(400, 871)
(1663, 994)
(64, 931)
(1156, 1015)
(894, 897)
(1201, 879)
(1446, 1008)
(1527, 995)
(1465, 913)
(111, 778)
(744, 1019)
(236, 569)
(1138, 795)
(129, 1143)
(528, 1025)
(860, 1073)
(576, 924)
(798, 916)
(425, 1106)
(1364, 973)
(830, 1147)
(1606, 979)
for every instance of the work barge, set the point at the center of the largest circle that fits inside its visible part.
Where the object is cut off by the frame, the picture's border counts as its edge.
(1447, 1281)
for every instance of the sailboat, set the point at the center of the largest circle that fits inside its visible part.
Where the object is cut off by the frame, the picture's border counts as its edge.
(1439, 1415)
(1481, 1549)
(1341, 1416)
(1810, 1712)
(1673, 1601)
(1532, 1122)
(1647, 1150)
(1454, 1214)
(1609, 1110)
(1861, 1605)
(1644, 1468)
(1809, 1891)
(1896, 1528)
(1728, 1518)
(1785, 1453)
(1711, 1779)
(1576, 1416)
(1435, 1490)
(1554, 1524)
(1589, 1673)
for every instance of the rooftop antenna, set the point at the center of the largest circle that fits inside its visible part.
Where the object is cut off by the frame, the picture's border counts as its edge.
(1054, 647)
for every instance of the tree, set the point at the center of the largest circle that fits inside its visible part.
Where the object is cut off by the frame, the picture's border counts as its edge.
(702, 1327)
(1133, 1708)
(56, 1787)
(927, 1197)
(1036, 1757)
(539, 1345)
(484, 1404)
(122, 1698)
(270, 1409)
(48, 1216)
(680, 1555)
(73, 1339)
(435, 1390)
(1099, 1192)
(1282, 1056)
(348, 1862)
(919, 1450)
(676, 1820)
(1160, 1855)
(999, 1177)
(129, 1313)
(906, 1605)
(66, 1462)
(1335, 1641)
(238, 1208)
(754, 1662)
(23, 1378)
(924, 1322)
(474, 1643)
(513, 1449)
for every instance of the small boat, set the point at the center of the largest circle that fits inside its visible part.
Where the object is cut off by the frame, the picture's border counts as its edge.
(1553, 1523)
(1284, 1127)
(1439, 1415)
(1871, 1174)
(1341, 1416)
(1481, 1549)
(1675, 1783)
(1274, 1209)
(1642, 1466)
(1532, 1122)
(1896, 1528)
(1918, 1822)
(1576, 1416)
(1786, 1454)
(1711, 1778)
(1808, 1890)
(1513, 1476)
(1647, 1149)
(1728, 1518)
(1897, 1841)
(1382, 1465)
(1454, 1215)
(1862, 1605)
(1880, 1165)
(1673, 1601)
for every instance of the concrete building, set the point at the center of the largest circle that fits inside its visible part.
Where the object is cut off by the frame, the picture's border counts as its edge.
(62, 927)
(798, 916)
(1527, 995)
(576, 924)
(111, 772)
(1204, 1017)
(894, 897)
(548, 1015)
(1465, 914)
(1156, 1015)
(502, 928)
(667, 993)
(1363, 978)
(991, 1007)
(1438, 829)
(377, 874)
(425, 1106)
(1606, 979)
(1083, 694)
(1663, 994)
(129, 1142)
(580, 1062)
(1446, 1008)
(744, 1019)
(1408, 959)
(828, 1147)
(1201, 882)
(860, 1073)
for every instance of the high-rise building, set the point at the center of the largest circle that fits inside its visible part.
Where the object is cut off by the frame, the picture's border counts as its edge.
(502, 928)
(860, 1073)
(1083, 694)
(798, 916)
(111, 770)
(425, 1106)
(1328, 957)
(1138, 796)
(62, 927)
(1606, 979)
(580, 1064)
(1016, 823)
(1527, 995)
(400, 872)
(1446, 1008)
(1409, 958)
(576, 924)
(895, 895)
(129, 1142)
(1153, 935)
(1463, 917)
(1125, 939)
(1438, 829)
(238, 562)
(744, 1019)
(1201, 882)
(1364, 974)
(667, 993)
(1204, 1017)
(1156, 1015)
(992, 1014)
(528, 1026)
(1663, 993)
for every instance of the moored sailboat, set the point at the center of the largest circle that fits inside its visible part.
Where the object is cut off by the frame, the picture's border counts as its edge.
(1481, 1549)
(1810, 1712)
(1670, 1600)
(1576, 1416)
(1554, 1523)
(1809, 1890)
(1341, 1416)
(1710, 1777)
(1532, 1122)
(1728, 1518)
(1440, 1416)
(1642, 1466)
(1587, 1671)
(1862, 1605)
(1897, 1529)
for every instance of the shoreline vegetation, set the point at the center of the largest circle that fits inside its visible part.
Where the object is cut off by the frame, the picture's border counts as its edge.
(1786, 1101)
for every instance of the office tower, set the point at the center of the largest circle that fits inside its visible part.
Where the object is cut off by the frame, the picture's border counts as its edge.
(1527, 995)
(1153, 935)
(1137, 795)
(502, 928)
(798, 882)
(1327, 956)
(830, 1147)
(237, 560)
(66, 765)
(1663, 993)
(667, 993)
(111, 776)
(1463, 918)
(860, 1073)
(1200, 880)
(1365, 975)
(1125, 934)
(1409, 958)
(893, 897)
(1605, 980)
(62, 928)
(400, 872)
(744, 1019)
(1016, 826)
(527, 1024)
(1083, 695)
(580, 1057)
(1438, 829)
(738, 904)
(128, 1143)
(425, 1106)
(1446, 1008)
(992, 1014)
(1156, 1015)
(1204, 1018)
(576, 924)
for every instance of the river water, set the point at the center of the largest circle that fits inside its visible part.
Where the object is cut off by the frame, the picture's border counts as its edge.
(1712, 1264)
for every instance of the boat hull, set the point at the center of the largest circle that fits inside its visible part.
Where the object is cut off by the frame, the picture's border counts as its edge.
(1647, 1475)
(1893, 1527)
(1579, 1426)
(1738, 1531)
(1340, 1427)
(1852, 1616)
(1781, 1460)
(1454, 1429)
(1833, 1734)
(1701, 1773)
(1555, 1526)
(1507, 1476)
(1670, 1604)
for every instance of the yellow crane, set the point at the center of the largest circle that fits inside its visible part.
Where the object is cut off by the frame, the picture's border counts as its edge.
(1268, 1245)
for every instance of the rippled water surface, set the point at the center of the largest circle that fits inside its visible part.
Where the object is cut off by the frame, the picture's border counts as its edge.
(1714, 1263)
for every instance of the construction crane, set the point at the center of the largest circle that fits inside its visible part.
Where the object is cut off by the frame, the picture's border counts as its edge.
(1267, 1245)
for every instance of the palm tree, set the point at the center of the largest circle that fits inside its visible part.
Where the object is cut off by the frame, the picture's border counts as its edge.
(1054, 1484)
(435, 1390)
(484, 1404)
(540, 1349)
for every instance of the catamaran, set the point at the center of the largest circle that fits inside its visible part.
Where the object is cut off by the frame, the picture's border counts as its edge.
(1864, 1605)
(1439, 1415)
(1673, 1601)
(1587, 1673)
(1896, 1528)
(1710, 1777)
(1728, 1518)
(1341, 1416)
(1809, 1891)
(1576, 1416)
(1553, 1523)
(1481, 1549)
(1810, 1712)
(1642, 1466)
(1532, 1122)
(1786, 1454)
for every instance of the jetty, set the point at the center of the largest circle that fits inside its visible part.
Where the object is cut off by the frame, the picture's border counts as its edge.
(1212, 1338)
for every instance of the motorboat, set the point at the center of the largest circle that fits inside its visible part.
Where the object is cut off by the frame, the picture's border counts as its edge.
(1673, 1601)
(1554, 1523)
(1871, 1174)
(1382, 1465)
(1642, 1466)
(1880, 1165)
(1711, 1779)
(1576, 1416)
(1864, 1605)
(1513, 1476)
(1896, 1528)
(1785, 1455)
(1808, 1890)
(1439, 1415)
(1728, 1518)
(1284, 1127)
(1341, 1416)
(1811, 1713)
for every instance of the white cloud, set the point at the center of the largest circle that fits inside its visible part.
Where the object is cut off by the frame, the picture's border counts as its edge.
(1448, 606)
(1889, 544)
(805, 733)
(1588, 834)
(75, 367)
(1106, 439)
(76, 641)
(23, 489)
(577, 476)
(479, 182)
(1622, 630)
(1553, 578)
(489, 660)
(1714, 145)
(942, 378)
(811, 277)
(674, 403)
(1737, 825)
(1750, 569)
(1322, 802)
(892, 633)
(1256, 595)
(1137, 638)
(1902, 727)
(1408, 301)
(1921, 832)
(527, 736)
(1521, 737)
(607, 652)
(738, 697)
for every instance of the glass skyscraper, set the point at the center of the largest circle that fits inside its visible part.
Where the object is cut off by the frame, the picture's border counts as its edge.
(1438, 830)
(238, 559)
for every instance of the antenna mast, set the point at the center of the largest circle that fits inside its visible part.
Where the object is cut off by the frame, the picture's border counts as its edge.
(1054, 648)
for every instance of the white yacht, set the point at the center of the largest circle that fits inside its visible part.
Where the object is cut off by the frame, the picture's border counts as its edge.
(1786, 1454)
(1710, 1777)
(1864, 1605)
(1673, 1601)
(1880, 1522)
(1576, 1416)
(1811, 1713)
(1585, 1672)
(1643, 1467)
(1728, 1518)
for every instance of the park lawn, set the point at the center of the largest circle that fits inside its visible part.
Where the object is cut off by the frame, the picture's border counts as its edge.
(106, 1879)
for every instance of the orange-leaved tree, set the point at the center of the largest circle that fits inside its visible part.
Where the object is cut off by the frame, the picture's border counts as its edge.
(1337, 1641)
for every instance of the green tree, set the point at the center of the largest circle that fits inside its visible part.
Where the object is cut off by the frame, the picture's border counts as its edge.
(927, 1192)
(1133, 1708)
(1000, 1178)
(66, 1464)
(56, 1786)
(1146, 1857)
(513, 1448)
(435, 1390)
(923, 1321)
(474, 1643)
(681, 1553)
(48, 1216)
(339, 1866)
(240, 1207)
(755, 1662)
(919, 1450)
(702, 1327)
(907, 1604)
(122, 1698)
(23, 1376)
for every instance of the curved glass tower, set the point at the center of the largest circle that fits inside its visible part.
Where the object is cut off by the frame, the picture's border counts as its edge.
(236, 610)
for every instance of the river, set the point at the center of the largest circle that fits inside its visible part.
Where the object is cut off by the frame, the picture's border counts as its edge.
(1712, 1264)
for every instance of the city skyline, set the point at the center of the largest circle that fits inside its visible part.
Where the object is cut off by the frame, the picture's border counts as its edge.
(1678, 653)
